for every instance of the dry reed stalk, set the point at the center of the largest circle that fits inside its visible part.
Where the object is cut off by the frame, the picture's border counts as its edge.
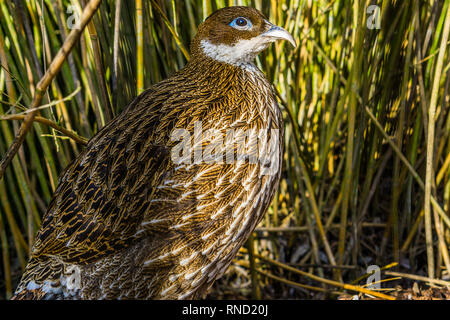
(43, 84)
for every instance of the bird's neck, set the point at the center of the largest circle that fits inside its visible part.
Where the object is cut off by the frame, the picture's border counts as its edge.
(205, 67)
(234, 84)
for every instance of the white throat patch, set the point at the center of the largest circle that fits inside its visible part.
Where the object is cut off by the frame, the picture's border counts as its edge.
(241, 54)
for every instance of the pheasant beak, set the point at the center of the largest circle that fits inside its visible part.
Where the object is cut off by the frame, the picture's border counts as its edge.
(278, 33)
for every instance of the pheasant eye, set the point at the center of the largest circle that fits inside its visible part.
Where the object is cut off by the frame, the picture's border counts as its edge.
(241, 24)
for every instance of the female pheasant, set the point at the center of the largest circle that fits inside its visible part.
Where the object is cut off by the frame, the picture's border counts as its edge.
(163, 197)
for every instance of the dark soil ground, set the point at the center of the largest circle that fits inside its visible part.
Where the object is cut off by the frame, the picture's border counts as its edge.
(409, 294)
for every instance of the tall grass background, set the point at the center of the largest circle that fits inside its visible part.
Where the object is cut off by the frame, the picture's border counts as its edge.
(366, 172)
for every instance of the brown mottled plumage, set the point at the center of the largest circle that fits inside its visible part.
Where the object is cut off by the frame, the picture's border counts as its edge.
(127, 221)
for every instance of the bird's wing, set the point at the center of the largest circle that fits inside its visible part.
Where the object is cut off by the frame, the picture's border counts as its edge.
(104, 194)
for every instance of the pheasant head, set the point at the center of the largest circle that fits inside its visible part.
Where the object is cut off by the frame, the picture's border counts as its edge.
(236, 35)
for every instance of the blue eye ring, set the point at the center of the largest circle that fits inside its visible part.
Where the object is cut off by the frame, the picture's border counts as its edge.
(241, 23)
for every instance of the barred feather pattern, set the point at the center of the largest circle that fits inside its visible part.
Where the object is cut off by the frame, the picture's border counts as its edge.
(126, 222)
